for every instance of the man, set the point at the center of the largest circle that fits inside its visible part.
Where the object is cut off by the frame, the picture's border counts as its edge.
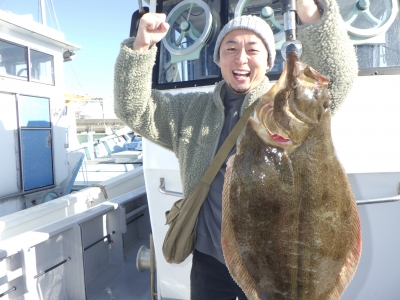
(195, 125)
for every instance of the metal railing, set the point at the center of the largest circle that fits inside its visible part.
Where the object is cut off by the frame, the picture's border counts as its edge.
(163, 191)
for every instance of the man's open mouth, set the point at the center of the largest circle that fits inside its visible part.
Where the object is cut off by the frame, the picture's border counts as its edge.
(241, 74)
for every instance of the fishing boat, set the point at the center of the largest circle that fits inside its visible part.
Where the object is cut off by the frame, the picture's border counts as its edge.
(104, 241)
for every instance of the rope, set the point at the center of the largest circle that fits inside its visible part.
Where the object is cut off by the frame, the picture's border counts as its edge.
(103, 189)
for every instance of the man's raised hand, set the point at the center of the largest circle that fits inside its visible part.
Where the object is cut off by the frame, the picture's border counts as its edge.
(152, 28)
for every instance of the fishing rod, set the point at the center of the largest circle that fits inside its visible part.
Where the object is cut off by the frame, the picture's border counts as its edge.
(289, 17)
(136, 16)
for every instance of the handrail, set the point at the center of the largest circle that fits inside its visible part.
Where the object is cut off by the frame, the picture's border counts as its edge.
(163, 191)
(52, 268)
(378, 200)
(48, 187)
(14, 288)
(12, 245)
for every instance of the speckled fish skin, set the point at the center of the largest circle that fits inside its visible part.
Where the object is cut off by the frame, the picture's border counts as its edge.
(290, 225)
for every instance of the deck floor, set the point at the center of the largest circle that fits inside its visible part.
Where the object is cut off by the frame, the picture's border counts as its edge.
(120, 282)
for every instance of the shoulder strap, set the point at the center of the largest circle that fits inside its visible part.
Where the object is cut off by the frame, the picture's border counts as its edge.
(227, 146)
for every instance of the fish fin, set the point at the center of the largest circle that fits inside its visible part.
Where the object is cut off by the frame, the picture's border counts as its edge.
(285, 168)
(352, 259)
(233, 260)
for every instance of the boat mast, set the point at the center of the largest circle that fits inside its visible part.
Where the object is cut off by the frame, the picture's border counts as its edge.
(42, 4)
(43, 12)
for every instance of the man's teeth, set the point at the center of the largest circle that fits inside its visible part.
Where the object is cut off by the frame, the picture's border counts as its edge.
(241, 73)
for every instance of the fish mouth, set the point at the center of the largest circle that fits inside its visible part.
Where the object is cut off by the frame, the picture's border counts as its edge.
(268, 130)
(278, 138)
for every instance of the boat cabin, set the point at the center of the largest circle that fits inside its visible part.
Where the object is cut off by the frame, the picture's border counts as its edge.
(34, 126)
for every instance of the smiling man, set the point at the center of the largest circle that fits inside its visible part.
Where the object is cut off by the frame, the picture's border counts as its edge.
(245, 56)
(245, 51)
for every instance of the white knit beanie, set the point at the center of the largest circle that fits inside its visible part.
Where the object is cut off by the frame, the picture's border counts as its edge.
(255, 24)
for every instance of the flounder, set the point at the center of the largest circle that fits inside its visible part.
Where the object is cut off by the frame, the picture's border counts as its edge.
(290, 225)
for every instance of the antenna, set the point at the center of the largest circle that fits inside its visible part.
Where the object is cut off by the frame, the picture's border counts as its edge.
(42, 7)
(43, 12)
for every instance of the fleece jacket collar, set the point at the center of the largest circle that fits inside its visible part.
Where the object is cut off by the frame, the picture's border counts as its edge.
(253, 95)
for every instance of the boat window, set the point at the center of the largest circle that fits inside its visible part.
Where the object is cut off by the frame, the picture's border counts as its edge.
(185, 56)
(34, 111)
(374, 28)
(42, 67)
(13, 60)
(36, 142)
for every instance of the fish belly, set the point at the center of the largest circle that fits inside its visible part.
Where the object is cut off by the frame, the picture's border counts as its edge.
(297, 239)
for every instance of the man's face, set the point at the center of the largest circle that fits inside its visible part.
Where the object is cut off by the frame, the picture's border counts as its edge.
(243, 60)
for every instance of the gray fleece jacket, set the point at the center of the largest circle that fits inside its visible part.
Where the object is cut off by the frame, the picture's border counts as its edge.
(189, 124)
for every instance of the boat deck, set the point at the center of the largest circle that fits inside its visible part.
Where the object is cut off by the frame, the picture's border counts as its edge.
(122, 281)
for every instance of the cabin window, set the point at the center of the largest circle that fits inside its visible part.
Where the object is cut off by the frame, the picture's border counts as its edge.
(185, 56)
(35, 142)
(13, 60)
(42, 69)
(374, 28)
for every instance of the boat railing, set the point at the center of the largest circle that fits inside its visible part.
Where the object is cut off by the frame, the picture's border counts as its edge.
(77, 202)
(31, 260)
(164, 191)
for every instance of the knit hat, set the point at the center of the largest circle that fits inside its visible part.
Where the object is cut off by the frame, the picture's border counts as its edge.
(255, 24)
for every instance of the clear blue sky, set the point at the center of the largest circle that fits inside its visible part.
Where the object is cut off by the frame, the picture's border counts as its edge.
(98, 26)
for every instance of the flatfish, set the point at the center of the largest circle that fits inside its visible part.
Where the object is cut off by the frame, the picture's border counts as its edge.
(290, 225)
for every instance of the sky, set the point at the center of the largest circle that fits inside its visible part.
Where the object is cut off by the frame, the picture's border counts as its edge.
(97, 26)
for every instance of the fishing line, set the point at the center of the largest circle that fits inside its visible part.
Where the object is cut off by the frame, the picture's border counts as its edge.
(77, 79)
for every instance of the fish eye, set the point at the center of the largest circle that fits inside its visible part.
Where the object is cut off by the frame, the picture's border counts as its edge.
(316, 94)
